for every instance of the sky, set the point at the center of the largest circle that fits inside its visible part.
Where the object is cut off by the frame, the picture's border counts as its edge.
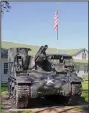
(33, 23)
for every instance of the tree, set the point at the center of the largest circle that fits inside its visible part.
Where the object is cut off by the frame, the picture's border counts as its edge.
(5, 6)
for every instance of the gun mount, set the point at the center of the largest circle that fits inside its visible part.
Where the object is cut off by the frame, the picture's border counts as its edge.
(41, 54)
(41, 60)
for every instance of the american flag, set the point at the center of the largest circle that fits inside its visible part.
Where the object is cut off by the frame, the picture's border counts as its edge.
(56, 21)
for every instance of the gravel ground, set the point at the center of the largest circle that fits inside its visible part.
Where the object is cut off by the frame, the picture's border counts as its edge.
(42, 106)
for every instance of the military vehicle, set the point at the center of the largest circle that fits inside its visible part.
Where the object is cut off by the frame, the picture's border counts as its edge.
(32, 77)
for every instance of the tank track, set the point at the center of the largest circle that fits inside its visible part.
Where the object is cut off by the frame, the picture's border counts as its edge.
(76, 93)
(21, 96)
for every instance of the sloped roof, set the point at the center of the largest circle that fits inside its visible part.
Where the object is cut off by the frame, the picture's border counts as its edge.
(81, 50)
(35, 48)
(6, 45)
(69, 51)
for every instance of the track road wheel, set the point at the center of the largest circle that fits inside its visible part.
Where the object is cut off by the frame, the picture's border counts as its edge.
(18, 101)
(76, 93)
(21, 100)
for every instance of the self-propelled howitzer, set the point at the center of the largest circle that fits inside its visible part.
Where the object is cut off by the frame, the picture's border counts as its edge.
(32, 77)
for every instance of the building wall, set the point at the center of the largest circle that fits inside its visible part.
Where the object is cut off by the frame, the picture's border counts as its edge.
(0, 69)
(79, 56)
(4, 76)
(82, 69)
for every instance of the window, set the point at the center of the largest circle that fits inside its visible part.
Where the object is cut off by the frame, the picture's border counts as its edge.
(83, 55)
(5, 68)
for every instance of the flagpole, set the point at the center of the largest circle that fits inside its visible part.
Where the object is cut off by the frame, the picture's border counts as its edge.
(57, 38)
(57, 32)
(56, 25)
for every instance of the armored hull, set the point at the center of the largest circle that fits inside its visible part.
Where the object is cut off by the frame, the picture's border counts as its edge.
(30, 87)
(41, 84)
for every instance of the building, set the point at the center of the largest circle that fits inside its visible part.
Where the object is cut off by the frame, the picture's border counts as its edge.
(80, 57)
(81, 61)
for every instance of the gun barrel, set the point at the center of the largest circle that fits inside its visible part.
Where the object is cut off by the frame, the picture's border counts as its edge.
(41, 50)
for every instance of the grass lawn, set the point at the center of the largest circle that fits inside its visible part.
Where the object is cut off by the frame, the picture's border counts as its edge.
(84, 96)
(4, 89)
(3, 92)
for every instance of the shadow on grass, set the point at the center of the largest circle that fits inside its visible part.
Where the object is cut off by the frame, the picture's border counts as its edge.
(63, 110)
(55, 110)
(22, 112)
(85, 109)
